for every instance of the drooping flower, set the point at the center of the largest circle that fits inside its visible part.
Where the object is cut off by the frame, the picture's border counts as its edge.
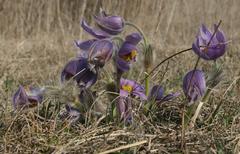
(157, 94)
(128, 52)
(80, 71)
(100, 52)
(194, 85)
(71, 114)
(30, 98)
(97, 33)
(110, 24)
(129, 88)
(217, 46)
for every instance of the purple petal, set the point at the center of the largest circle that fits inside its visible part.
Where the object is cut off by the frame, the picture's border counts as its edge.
(85, 45)
(88, 78)
(216, 48)
(20, 98)
(101, 52)
(124, 107)
(122, 65)
(74, 67)
(80, 71)
(110, 24)
(133, 38)
(126, 49)
(124, 93)
(194, 85)
(121, 107)
(156, 93)
(94, 32)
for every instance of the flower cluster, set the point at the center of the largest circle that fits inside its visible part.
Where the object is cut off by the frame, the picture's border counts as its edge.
(106, 45)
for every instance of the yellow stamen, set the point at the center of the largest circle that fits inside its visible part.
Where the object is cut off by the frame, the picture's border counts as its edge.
(127, 88)
(130, 56)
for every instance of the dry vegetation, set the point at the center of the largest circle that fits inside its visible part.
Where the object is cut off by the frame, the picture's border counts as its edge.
(36, 40)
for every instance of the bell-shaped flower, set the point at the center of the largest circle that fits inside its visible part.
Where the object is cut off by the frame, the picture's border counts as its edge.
(213, 50)
(128, 52)
(30, 98)
(79, 70)
(97, 33)
(194, 85)
(124, 108)
(131, 88)
(100, 52)
(110, 24)
(157, 94)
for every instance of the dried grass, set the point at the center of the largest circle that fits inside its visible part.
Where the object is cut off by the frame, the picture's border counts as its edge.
(36, 40)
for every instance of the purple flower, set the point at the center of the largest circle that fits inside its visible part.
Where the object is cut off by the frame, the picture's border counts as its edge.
(72, 115)
(80, 71)
(30, 98)
(110, 24)
(157, 94)
(124, 107)
(216, 48)
(129, 87)
(97, 33)
(100, 52)
(128, 52)
(194, 85)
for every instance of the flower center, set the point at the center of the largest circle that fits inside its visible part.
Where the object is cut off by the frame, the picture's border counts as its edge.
(127, 88)
(130, 56)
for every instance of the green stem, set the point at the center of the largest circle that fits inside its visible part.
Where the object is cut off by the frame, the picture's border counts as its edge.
(145, 47)
(147, 84)
(118, 39)
(140, 31)
(166, 59)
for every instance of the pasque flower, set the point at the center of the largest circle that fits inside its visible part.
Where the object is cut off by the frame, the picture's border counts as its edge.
(30, 98)
(100, 52)
(194, 85)
(80, 71)
(97, 33)
(215, 49)
(110, 24)
(107, 26)
(128, 52)
(128, 88)
(131, 88)
(124, 108)
(157, 94)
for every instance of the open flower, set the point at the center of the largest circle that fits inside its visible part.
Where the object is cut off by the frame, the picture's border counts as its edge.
(110, 24)
(128, 52)
(129, 87)
(30, 98)
(216, 48)
(194, 85)
(157, 94)
(79, 70)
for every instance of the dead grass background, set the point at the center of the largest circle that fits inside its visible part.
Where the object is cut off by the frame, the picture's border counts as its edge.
(36, 40)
